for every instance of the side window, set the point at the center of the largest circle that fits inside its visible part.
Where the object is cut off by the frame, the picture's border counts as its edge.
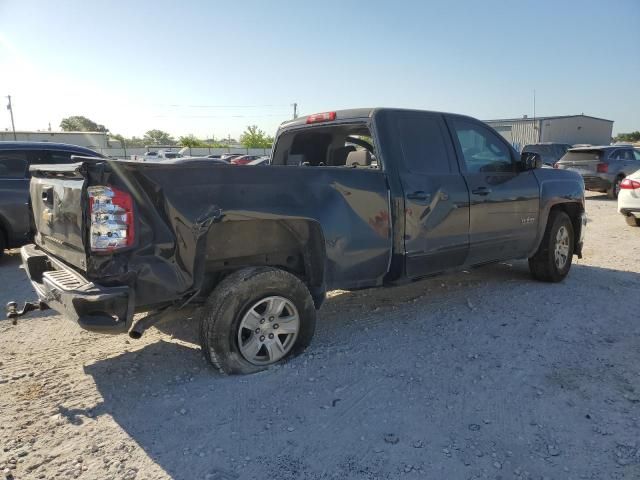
(60, 156)
(636, 154)
(13, 164)
(423, 143)
(628, 155)
(47, 157)
(482, 150)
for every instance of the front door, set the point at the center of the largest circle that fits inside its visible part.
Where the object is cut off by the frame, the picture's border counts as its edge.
(505, 202)
(436, 198)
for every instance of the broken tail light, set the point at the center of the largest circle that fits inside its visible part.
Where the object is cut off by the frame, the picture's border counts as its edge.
(111, 214)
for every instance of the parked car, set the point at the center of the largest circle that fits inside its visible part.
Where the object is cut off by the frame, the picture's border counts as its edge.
(244, 159)
(230, 156)
(258, 249)
(629, 199)
(550, 152)
(602, 168)
(260, 161)
(15, 159)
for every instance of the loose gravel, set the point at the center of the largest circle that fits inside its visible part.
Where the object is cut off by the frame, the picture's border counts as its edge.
(478, 374)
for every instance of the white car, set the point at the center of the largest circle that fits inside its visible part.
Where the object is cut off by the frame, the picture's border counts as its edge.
(629, 199)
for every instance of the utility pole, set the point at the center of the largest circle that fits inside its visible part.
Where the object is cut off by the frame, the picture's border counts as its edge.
(10, 108)
(295, 110)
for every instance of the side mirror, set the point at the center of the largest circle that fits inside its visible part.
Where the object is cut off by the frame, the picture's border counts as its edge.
(530, 161)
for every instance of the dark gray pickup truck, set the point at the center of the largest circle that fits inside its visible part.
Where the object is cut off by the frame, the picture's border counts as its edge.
(352, 199)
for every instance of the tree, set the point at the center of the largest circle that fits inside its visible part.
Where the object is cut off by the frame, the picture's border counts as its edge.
(253, 137)
(628, 137)
(191, 141)
(78, 123)
(158, 137)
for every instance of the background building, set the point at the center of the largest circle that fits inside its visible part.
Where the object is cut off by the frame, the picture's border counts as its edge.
(571, 129)
(93, 140)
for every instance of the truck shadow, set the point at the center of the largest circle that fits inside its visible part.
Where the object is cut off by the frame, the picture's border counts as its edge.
(372, 358)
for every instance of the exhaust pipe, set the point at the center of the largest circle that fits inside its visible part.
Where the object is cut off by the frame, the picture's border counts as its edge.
(145, 323)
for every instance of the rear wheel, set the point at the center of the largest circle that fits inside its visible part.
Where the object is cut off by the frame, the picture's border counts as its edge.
(256, 317)
(552, 261)
(633, 221)
(615, 188)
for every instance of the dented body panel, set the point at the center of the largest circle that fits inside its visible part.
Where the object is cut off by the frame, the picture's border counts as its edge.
(334, 227)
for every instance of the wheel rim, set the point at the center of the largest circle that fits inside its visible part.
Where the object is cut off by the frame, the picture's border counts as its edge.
(268, 330)
(561, 253)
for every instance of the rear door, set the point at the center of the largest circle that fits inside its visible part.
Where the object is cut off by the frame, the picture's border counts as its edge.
(504, 202)
(628, 162)
(435, 194)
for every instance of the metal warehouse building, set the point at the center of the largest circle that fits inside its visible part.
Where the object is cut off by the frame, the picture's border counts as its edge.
(571, 129)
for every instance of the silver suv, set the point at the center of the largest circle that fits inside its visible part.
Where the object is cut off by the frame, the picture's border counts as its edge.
(602, 168)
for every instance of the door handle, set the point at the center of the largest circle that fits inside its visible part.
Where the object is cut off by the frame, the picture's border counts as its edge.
(419, 195)
(47, 196)
(481, 191)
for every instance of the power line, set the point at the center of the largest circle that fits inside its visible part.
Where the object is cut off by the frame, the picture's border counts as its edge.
(282, 115)
(176, 105)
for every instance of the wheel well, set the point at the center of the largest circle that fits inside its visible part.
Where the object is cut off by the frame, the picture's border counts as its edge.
(296, 246)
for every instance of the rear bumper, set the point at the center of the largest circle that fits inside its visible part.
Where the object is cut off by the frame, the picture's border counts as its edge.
(597, 182)
(93, 307)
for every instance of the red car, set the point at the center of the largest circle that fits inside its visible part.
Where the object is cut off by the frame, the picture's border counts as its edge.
(244, 159)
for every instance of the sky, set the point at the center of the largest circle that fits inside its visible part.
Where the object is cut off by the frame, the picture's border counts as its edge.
(212, 67)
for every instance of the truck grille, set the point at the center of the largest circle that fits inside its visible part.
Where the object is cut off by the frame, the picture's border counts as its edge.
(64, 280)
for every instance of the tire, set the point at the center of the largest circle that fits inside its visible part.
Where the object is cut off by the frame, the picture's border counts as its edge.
(547, 264)
(250, 298)
(612, 193)
(632, 221)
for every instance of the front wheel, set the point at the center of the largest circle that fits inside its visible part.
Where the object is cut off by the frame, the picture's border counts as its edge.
(552, 261)
(256, 317)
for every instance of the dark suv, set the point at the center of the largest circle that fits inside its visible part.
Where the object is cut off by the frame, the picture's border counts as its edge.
(15, 159)
(550, 152)
(602, 168)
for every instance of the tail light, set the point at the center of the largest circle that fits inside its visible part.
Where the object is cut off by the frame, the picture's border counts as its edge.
(111, 214)
(602, 168)
(629, 184)
(321, 117)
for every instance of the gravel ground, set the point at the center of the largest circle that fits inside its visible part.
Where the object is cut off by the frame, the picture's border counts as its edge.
(480, 374)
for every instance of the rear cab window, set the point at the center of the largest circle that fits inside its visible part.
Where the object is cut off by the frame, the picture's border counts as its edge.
(348, 145)
(13, 163)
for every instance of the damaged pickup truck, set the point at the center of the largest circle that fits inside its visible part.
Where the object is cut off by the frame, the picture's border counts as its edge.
(352, 199)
